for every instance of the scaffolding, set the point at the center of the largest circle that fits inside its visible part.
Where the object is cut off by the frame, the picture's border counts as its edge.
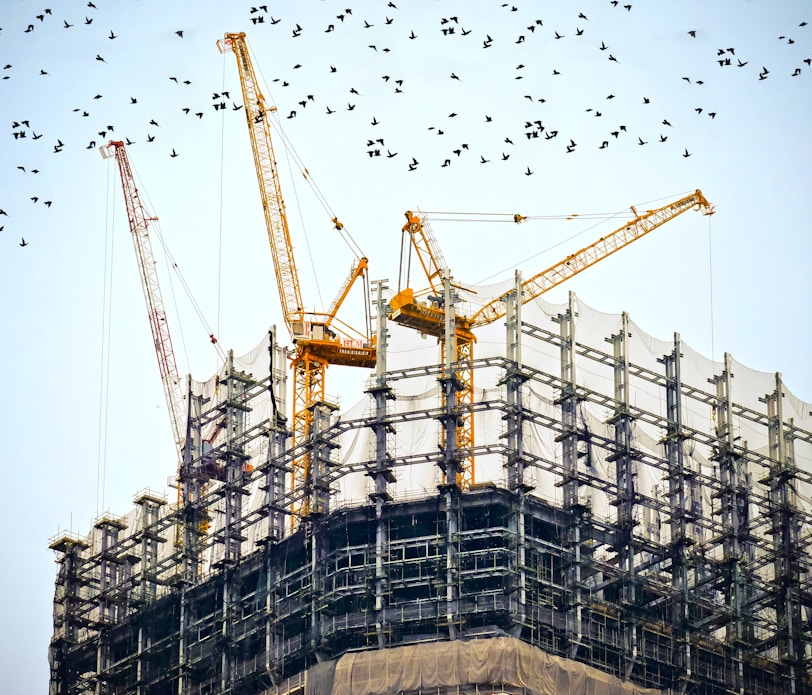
(642, 519)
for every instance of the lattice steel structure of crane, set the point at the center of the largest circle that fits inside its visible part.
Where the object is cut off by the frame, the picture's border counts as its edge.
(320, 339)
(430, 311)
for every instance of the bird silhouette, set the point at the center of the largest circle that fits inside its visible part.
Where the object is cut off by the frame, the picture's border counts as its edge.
(23, 242)
(174, 154)
(179, 33)
(686, 153)
(100, 59)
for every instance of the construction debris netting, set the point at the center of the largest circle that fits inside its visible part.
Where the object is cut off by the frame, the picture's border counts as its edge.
(591, 328)
(497, 663)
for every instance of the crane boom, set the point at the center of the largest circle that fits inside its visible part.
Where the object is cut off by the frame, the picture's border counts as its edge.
(318, 342)
(139, 220)
(273, 203)
(429, 317)
(595, 252)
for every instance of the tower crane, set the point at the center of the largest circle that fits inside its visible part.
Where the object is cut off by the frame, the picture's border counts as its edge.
(320, 338)
(139, 220)
(428, 315)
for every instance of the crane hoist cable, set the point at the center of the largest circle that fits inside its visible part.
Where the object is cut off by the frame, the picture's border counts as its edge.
(276, 123)
(142, 222)
(430, 318)
(318, 338)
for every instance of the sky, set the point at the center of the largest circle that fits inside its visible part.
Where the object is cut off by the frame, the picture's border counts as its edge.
(479, 109)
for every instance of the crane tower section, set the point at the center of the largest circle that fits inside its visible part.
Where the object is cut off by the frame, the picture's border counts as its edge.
(139, 220)
(425, 311)
(320, 339)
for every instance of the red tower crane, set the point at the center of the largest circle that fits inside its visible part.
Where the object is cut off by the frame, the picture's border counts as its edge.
(140, 219)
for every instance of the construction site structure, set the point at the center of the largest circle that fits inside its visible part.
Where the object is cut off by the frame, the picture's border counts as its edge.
(320, 340)
(425, 311)
(641, 524)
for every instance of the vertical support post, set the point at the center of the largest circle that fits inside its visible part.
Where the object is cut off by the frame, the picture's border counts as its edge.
(273, 644)
(570, 481)
(279, 434)
(109, 598)
(150, 513)
(189, 525)
(450, 463)
(109, 529)
(514, 379)
(624, 458)
(67, 602)
(734, 511)
(321, 458)
(380, 469)
(785, 530)
(274, 485)
(234, 457)
(678, 476)
(192, 516)
(146, 580)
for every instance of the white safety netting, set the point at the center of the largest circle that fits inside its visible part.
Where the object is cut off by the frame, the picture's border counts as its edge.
(422, 436)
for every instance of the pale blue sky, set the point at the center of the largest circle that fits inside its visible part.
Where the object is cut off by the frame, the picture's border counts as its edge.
(82, 389)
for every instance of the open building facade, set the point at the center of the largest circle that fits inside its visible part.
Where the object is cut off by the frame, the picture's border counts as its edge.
(639, 522)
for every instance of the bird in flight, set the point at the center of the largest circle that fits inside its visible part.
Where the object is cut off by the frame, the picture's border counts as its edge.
(179, 33)
(23, 242)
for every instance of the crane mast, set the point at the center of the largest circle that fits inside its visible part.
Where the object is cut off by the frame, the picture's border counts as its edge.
(139, 221)
(429, 317)
(319, 343)
(273, 203)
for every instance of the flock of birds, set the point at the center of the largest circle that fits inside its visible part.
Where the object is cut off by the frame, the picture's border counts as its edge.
(526, 74)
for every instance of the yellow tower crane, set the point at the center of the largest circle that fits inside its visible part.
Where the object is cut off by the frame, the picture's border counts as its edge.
(423, 311)
(320, 339)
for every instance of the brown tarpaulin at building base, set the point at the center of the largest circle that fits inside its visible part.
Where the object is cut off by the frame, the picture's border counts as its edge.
(498, 662)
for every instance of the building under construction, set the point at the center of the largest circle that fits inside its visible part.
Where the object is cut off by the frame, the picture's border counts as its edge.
(576, 508)
(636, 521)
